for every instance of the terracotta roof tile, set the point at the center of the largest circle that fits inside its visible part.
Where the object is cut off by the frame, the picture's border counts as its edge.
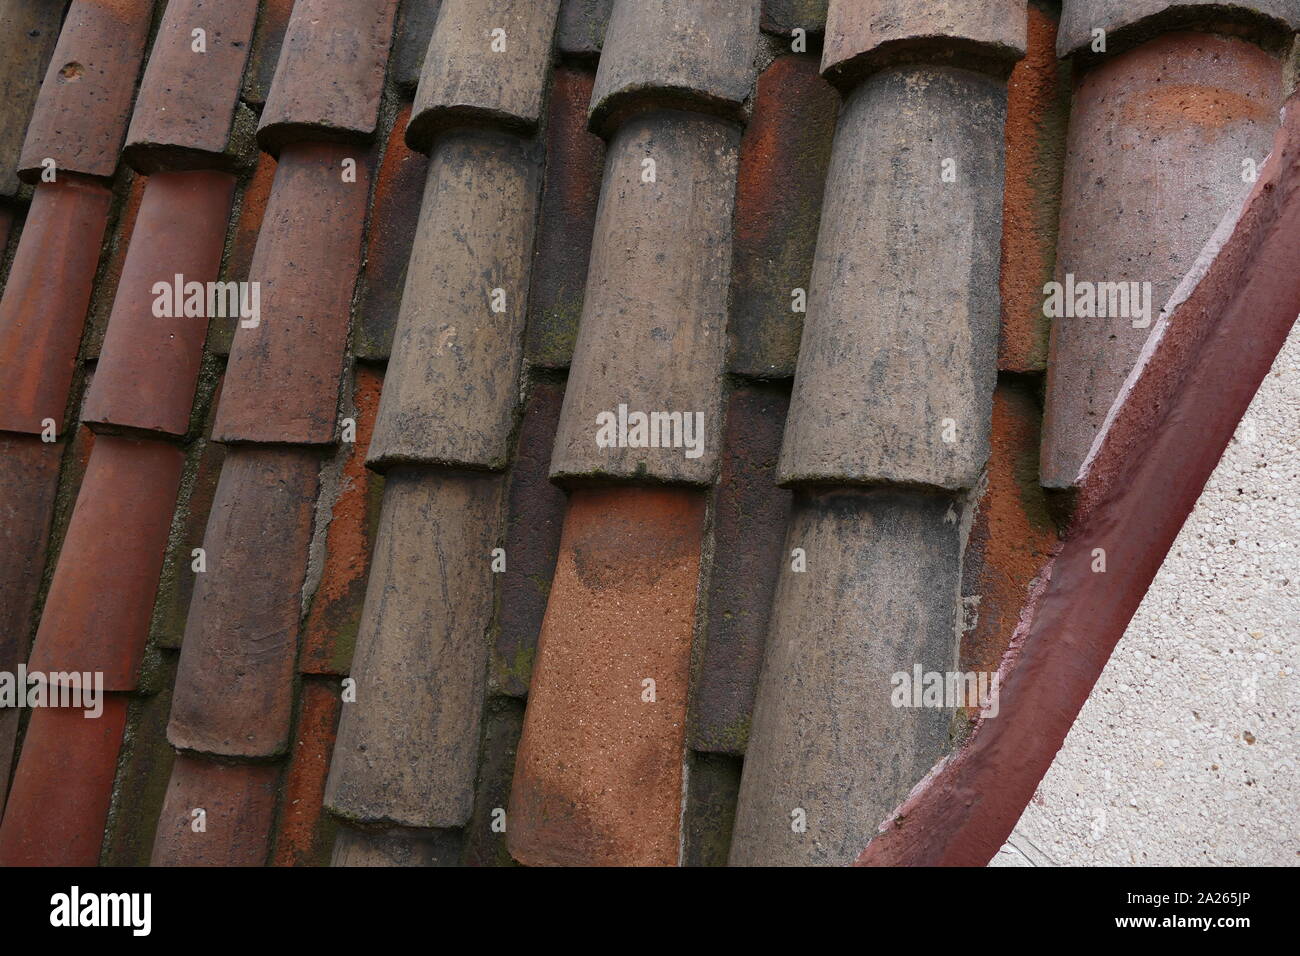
(581, 27)
(81, 113)
(237, 803)
(657, 292)
(282, 383)
(128, 194)
(473, 74)
(101, 598)
(1038, 109)
(149, 365)
(826, 738)
(535, 517)
(654, 56)
(28, 32)
(783, 158)
(1138, 19)
(452, 382)
(1180, 112)
(574, 160)
(872, 394)
(303, 834)
(344, 40)
(407, 747)
(268, 39)
(234, 692)
(185, 110)
(598, 779)
(865, 36)
(394, 216)
(62, 786)
(45, 301)
(29, 474)
(330, 631)
(415, 22)
(396, 847)
(251, 199)
(748, 524)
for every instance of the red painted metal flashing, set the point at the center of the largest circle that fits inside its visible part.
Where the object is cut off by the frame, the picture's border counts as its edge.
(1161, 441)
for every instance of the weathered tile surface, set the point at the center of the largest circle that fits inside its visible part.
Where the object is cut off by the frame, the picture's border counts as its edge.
(234, 688)
(216, 814)
(345, 41)
(829, 748)
(598, 780)
(896, 367)
(653, 330)
(28, 32)
(82, 111)
(453, 379)
(282, 383)
(185, 110)
(1156, 144)
(45, 301)
(1079, 18)
(473, 73)
(149, 364)
(100, 601)
(407, 747)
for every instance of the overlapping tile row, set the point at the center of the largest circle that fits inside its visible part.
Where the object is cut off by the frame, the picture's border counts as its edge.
(63, 136)
(1187, 95)
(598, 779)
(402, 779)
(888, 428)
(233, 706)
(99, 606)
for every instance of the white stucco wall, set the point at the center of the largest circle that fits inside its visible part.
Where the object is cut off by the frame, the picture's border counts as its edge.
(1186, 751)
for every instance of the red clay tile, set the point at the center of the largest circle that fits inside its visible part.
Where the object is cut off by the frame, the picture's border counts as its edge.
(252, 209)
(82, 110)
(28, 32)
(45, 300)
(234, 686)
(393, 218)
(186, 106)
(128, 194)
(268, 39)
(1180, 113)
(62, 787)
(302, 832)
(345, 41)
(783, 158)
(1038, 109)
(749, 520)
(29, 478)
(101, 598)
(535, 516)
(330, 631)
(282, 381)
(1128, 22)
(574, 160)
(149, 364)
(6, 227)
(234, 828)
(598, 779)
(1012, 536)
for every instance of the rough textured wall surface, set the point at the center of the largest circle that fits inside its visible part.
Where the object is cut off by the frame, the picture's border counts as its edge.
(1185, 752)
